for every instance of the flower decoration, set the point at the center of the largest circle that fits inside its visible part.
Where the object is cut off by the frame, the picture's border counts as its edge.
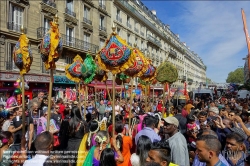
(22, 55)
(51, 45)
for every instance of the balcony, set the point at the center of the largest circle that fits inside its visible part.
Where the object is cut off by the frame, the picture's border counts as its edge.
(10, 65)
(142, 33)
(49, 3)
(87, 24)
(102, 6)
(87, 21)
(69, 12)
(15, 27)
(102, 31)
(173, 54)
(119, 19)
(136, 30)
(129, 43)
(129, 25)
(154, 41)
(190, 81)
(49, 6)
(69, 41)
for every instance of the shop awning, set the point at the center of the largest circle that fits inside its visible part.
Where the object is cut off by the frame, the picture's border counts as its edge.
(104, 86)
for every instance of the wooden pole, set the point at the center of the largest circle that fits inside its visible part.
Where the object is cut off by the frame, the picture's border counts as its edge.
(131, 97)
(113, 105)
(85, 97)
(79, 96)
(23, 107)
(164, 98)
(153, 93)
(50, 96)
(95, 93)
(107, 90)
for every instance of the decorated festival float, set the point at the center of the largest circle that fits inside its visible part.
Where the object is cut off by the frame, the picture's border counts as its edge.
(51, 50)
(115, 57)
(23, 59)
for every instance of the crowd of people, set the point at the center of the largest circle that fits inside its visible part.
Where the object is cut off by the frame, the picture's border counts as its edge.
(200, 132)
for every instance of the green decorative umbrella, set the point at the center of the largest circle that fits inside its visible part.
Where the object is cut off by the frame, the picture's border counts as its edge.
(88, 69)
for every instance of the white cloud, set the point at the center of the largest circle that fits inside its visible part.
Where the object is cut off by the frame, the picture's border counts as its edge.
(215, 31)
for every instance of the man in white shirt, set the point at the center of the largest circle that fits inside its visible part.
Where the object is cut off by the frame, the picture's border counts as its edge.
(43, 145)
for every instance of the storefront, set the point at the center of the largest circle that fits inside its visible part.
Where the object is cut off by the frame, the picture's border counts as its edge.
(35, 82)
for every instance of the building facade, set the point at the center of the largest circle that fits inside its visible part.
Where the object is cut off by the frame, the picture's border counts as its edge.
(137, 24)
(84, 26)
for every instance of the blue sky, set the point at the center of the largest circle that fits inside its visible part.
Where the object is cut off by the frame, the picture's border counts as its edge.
(212, 29)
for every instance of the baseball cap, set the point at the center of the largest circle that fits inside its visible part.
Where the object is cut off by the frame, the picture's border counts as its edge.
(75, 102)
(214, 109)
(171, 120)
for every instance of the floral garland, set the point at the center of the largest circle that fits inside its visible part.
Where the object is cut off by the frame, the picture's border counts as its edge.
(3, 141)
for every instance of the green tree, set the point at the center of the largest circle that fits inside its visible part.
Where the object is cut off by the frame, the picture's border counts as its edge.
(236, 76)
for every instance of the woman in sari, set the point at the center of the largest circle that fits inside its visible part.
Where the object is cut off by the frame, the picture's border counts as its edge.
(87, 142)
(94, 154)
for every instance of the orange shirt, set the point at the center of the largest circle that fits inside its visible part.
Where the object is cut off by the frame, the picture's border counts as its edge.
(127, 145)
(188, 107)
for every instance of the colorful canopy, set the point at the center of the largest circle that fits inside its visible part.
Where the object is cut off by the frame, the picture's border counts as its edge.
(73, 71)
(150, 73)
(116, 55)
(88, 69)
(140, 65)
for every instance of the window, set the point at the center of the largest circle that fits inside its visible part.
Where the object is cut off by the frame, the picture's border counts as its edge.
(102, 21)
(128, 20)
(142, 45)
(102, 42)
(15, 18)
(128, 38)
(46, 23)
(119, 31)
(10, 65)
(118, 13)
(136, 40)
(86, 39)
(102, 2)
(68, 60)
(69, 5)
(86, 12)
(70, 35)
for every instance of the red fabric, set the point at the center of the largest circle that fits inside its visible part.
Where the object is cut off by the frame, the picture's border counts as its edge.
(61, 110)
(184, 113)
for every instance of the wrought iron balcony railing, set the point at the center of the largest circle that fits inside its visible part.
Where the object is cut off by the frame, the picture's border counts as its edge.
(173, 53)
(154, 40)
(102, 28)
(102, 6)
(71, 41)
(119, 19)
(15, 27)
(50, 3)
(69, 12)
(10, 65)
(87, 21)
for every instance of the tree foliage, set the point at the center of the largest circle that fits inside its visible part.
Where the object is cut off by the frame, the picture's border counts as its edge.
(236, 76)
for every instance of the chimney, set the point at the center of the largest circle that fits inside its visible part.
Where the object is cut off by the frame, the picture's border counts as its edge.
(154, 12)
(189, 48)
(184, 43)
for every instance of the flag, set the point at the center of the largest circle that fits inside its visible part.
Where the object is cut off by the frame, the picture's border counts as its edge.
(246, 34)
